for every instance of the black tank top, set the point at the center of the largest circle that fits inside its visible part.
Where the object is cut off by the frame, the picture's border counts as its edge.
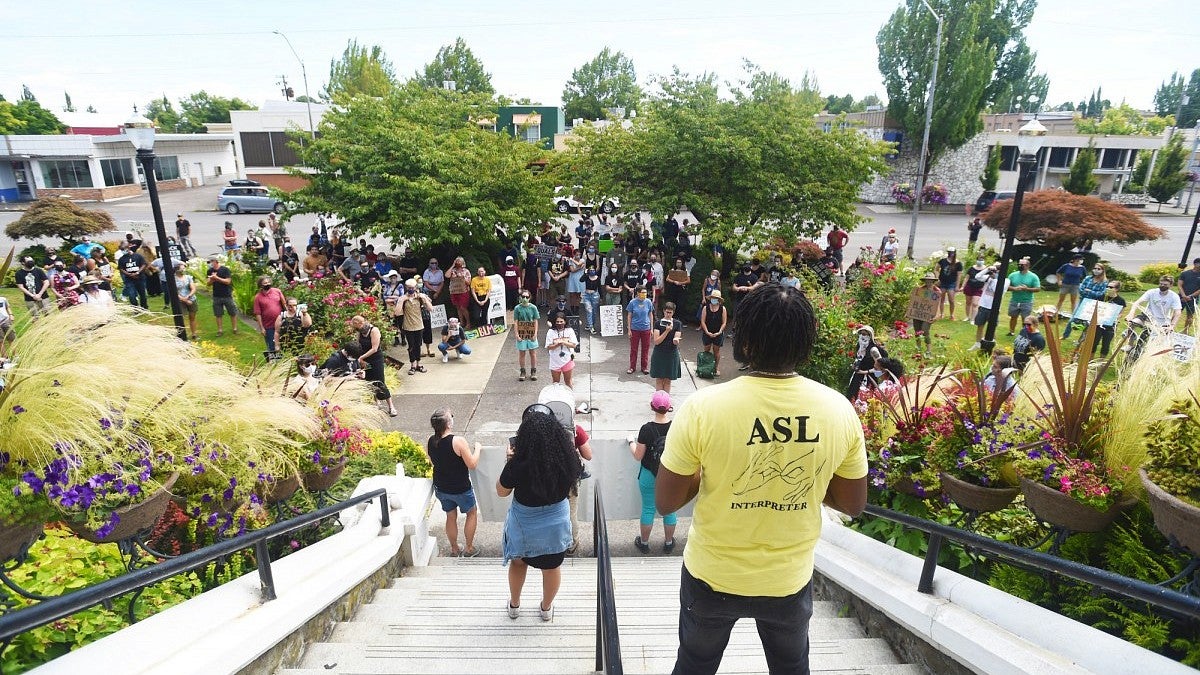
(450, 473)
(364, 341)
(712, 320)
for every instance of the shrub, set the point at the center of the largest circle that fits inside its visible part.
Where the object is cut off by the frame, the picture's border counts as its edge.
(1150, 273)
(880, 293)
(831, 356)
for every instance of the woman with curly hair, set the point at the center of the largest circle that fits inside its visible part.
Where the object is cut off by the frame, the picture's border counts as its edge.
(541, 469)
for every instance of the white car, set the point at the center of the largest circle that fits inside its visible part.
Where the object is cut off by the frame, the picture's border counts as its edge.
(565, 202)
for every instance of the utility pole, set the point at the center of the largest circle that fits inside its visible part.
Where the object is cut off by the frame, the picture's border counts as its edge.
(937, 50)
(287, 91)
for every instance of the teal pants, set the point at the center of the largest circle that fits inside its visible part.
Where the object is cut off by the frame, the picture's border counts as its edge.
(646, 485)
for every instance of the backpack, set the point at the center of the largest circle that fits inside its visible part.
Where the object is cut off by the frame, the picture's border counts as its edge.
(653, 456)
(706, 365)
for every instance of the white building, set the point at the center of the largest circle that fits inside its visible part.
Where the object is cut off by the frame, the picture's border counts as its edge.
(261, 140)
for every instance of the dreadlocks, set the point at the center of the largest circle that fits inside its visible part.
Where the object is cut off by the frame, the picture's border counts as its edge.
(774, 329)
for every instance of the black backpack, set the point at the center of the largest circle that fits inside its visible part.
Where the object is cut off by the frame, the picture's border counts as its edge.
(653, 455)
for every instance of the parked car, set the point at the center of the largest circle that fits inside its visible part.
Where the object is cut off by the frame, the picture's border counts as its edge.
(989, 197)
(244, 182)
(238, 199)
(565, 202)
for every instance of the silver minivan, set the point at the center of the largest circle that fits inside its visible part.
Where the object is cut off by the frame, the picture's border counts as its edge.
(241, 198)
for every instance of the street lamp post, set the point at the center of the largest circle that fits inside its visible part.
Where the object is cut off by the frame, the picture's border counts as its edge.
(1029, 141)
(937, 50)
(141, 133)
(304, 74)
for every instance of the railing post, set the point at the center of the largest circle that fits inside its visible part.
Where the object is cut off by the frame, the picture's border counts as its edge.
(385, 516)
(931, 556)
(265, 578)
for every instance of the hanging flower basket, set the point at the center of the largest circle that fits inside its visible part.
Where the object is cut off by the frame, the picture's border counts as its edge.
(909, 487)
(279, 490)
(1175, 518)
(133, 518)
(1061, 510)
(977, 497)
(16, 539)
(318, 480)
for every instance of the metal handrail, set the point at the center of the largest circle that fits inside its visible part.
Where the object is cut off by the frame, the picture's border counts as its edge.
(1171, 600)
(15, 623)
(608, 639)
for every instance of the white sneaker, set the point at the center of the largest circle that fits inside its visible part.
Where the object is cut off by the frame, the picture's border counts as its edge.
(546, 614)
(513, 612)
(445, 358)
(973, 347)
(460, 355)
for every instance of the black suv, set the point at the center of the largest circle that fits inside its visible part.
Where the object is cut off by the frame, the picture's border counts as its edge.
(989, 197)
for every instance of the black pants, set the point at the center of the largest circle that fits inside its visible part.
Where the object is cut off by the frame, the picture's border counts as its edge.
(374, 375)
(413, 340)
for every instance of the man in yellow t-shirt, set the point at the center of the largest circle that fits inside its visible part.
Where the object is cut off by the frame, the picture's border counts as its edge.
(760, 454)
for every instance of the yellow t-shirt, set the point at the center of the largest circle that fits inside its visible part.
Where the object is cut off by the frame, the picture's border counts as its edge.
(767, 449)
(481, 285)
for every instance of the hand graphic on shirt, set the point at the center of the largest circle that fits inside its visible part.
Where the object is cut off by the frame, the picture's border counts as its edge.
(764, 468)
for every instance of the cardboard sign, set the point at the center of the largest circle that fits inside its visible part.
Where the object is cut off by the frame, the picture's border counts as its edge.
(612, 320)
(1107, 315)
(526, 330)
(496, 300)
(1183, 346)
(545, 252)
(437, 318)
(923, 304)
(678, 275)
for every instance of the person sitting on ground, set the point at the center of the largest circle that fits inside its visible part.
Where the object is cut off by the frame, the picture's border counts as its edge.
(453, 338)
(344, 362)
(452, 459)
(1003, 372)
(1028, 342)
(542, 468)
(647, 449)
(305, 382)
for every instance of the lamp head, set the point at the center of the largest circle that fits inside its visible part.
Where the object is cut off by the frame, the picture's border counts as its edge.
(140, 132)
(1030, 137)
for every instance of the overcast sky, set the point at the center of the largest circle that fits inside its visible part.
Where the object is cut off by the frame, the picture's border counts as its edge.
(113, 55)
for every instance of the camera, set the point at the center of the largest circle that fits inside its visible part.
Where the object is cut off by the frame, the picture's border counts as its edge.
(665, 323)
(302, 307)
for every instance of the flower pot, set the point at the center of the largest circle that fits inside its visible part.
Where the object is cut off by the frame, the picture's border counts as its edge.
(277, 491)
(1175, 518)
(317, 480)
(133, 518)
(1061, 510)
(16, 539)
(977, 497)
(908, 487)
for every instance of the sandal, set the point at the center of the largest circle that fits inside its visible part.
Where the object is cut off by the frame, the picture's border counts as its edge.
(421, 369)
(412, 371)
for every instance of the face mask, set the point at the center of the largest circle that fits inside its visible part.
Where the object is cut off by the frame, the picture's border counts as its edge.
(714, 303)
(877, 373)
(863, 340)
(308, 370)
(979, 263)
(591, 250)
(410, 291)
(745, 269)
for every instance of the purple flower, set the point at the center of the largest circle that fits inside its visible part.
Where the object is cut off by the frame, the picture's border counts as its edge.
(107, 528)
(105, 423)
(18, 409)
(1049, 472)
(212, 520)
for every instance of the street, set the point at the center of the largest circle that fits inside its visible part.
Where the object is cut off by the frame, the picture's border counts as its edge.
(935, 231)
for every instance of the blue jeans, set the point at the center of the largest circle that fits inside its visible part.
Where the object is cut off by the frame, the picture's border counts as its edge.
(269, 335)
(135, 290)
(462, 348)
(591, 308)
(646, 487)
(706, 618)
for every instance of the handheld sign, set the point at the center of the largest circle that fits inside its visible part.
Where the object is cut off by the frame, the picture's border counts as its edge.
(612, 320)
(922, 304)
(496, 299)
(437, 318)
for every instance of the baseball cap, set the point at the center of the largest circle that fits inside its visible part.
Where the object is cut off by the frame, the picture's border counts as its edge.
(660, 401)
(391, 274)
(508, 259)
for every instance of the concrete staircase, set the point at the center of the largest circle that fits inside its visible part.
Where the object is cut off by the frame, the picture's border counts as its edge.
(450, 618)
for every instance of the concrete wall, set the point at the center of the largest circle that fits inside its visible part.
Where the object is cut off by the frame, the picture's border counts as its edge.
(958, 170)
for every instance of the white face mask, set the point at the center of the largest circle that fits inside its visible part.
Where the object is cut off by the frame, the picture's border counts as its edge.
(308, 370)
(863, 340)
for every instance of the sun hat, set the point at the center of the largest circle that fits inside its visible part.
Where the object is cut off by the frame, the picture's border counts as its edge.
(391, 274)
(88, 280)
(929, 276)
(411, 283)
(660, 401)
(716, 293)
(865, 329)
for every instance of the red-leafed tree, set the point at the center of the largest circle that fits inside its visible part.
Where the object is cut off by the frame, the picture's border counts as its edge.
(1061, 220)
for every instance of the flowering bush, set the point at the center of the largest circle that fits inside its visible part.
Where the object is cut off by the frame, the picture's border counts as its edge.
(934, 193)
(332, 302)
(984, 434)
(335, 442)
(903, 193)
(832, 353)
(807, 250)
(881, 291)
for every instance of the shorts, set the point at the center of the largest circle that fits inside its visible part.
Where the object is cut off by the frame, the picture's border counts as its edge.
(718, 341)
(973, 291)
(189, 309)
(1072, 289)
(981, 316)
(463, 501)
(1189, 306)
(948, 286)
(1022, 308)
(221, 305)
(527, 345)
(549, 561)
(566, 368)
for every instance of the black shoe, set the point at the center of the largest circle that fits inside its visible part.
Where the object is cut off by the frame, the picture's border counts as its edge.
(669, 546)
(641, 545)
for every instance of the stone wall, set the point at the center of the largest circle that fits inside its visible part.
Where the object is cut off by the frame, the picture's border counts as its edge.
(958, 170)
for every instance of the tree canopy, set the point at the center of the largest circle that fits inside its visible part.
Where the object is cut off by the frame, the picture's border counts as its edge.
(991, 169)
(1168, 94)
(607, 81)
(750, 166)
(27, 116)
(361, 70)
(1170, 171)
(458, 64)
(203, 108)
(984, 63)
(1124, 120)
(1082, 179)
(1061, 220)
(61, 218)
(417, 167)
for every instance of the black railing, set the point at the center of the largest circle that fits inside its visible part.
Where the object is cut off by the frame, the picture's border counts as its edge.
(608, 641)
(53, 609)
(1173, 601)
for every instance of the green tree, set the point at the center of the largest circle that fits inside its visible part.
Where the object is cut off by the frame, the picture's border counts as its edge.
(1166, 97)
(991, 170)
(1191, 112)
(870, 100)
(27, 95)
(751, 166)
(607, 81)
(417, 167)
(1123, 120)
(977, 35)
(162, 113)
(360, 71)
(1141, 170)
(456, 63)
(61, 218)
(68, 107)
(9, 123)
(35, 119)
(1081, 180)
(1016, 87)
(836, 105)
(203, 108)
(1169, 174)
